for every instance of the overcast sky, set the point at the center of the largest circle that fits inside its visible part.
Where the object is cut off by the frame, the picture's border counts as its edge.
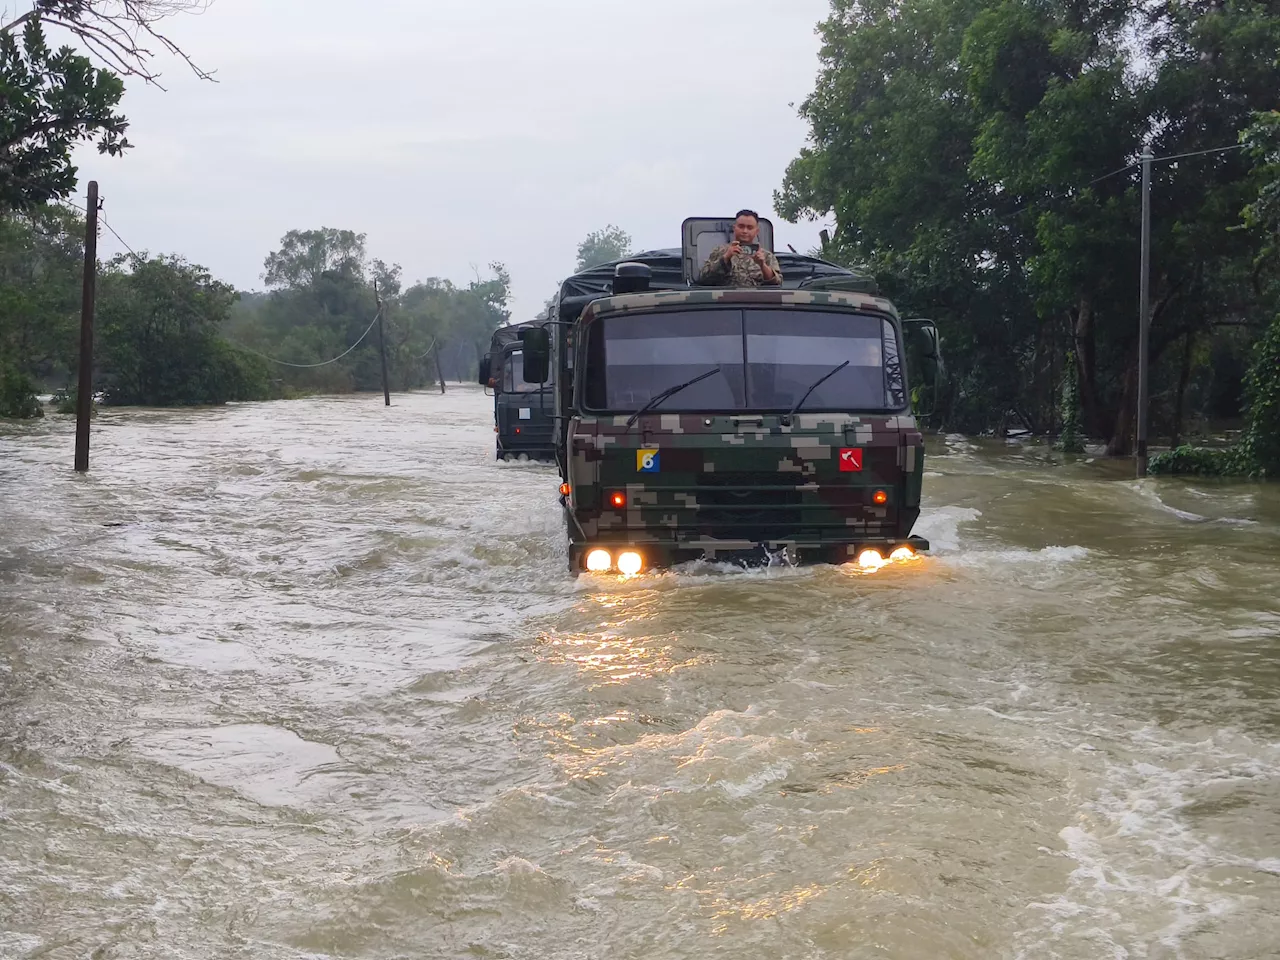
(458, 132)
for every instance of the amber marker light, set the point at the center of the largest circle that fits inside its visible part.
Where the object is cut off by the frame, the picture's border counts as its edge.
(630, 563)
(619, 500)
(565, 489)
(599, 561)
(880, 497)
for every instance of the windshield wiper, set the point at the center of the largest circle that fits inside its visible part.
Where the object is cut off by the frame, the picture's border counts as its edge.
(786, 420)
(658, 398)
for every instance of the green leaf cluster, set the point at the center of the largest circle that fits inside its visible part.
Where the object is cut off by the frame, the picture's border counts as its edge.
(980, 157)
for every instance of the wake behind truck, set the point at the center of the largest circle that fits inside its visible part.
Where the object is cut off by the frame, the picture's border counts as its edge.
(751, 425)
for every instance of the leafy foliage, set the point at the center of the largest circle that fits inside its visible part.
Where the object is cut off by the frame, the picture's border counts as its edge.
(979, 157)
(161, 343)
(170, 334)
(119, 33)
(306, 257)
(322, 301)
(40, 274)
(603, 246)
(53, 99)
(18, 395)
(1187, 460)
(1070, 440)
(1260, 445)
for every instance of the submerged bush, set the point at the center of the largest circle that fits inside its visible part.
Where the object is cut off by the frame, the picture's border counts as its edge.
(18, 395)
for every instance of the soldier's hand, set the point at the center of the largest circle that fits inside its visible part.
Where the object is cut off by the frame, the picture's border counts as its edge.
(759, 256)
(731, 251)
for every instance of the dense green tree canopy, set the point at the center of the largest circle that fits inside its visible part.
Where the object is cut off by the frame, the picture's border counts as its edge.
(979, 155)
(160, 323)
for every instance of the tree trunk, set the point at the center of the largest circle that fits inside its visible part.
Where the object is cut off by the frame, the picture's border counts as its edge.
(1121, 442)
(1086, 363)
(1184, 377)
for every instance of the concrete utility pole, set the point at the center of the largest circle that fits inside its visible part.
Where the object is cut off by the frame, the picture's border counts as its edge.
(1144, 315)
(84, 388)
(382, 346)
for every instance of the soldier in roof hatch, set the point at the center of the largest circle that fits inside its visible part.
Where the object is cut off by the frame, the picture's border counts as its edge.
(744, 262)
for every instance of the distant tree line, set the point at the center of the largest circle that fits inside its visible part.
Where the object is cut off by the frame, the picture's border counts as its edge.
(320, 299)
(168, 333)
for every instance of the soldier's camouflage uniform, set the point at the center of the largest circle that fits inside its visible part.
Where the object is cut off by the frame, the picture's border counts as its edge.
(741, 271)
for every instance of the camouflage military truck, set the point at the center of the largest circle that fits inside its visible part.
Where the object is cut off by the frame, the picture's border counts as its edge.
(749, 424)
(522, 411)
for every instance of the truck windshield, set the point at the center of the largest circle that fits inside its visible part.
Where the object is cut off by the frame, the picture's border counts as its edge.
(768, 358)
(513, 376)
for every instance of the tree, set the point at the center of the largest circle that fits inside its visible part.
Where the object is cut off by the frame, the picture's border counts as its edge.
(979, 156)
(603, 246)
(55, 98)
(386, 278)
(160, 322)
(117, 32)
(52, 101)
(40, 276)
(307, 255)
(1258, 452)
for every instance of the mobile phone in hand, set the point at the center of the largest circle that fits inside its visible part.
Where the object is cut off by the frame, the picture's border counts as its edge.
(749, 248)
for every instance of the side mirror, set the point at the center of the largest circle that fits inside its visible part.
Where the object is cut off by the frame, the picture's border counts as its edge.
(485, 364)
(536, 344)
(923, 351)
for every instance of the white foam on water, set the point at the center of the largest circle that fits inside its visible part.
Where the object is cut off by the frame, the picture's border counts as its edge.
(541, 466)
(270, 765)
(1144, 874)
(19, 944)
(1151, 494)
(1017, 556)
(941, 526)
(756, 781)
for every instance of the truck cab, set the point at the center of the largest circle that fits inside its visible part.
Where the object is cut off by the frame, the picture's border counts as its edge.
(741, 424)
(522, 411)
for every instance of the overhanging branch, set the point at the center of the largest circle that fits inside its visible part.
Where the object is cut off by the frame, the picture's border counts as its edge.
(117, 32)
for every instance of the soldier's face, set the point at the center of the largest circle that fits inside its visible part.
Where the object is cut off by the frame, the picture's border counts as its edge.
(746, 229)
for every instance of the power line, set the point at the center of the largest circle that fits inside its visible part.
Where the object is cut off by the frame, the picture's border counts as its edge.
(1107, 176)
(116, 235)
(1201, 153)
(1175, 156)
(241, 346)
(102, 220)
(308, 366)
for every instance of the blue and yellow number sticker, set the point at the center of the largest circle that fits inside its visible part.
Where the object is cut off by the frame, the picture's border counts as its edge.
(647, 461)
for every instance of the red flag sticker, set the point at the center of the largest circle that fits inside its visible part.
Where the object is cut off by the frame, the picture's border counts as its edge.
(850, 459)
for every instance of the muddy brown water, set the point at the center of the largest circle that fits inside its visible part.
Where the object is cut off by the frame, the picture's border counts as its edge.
(310, 680)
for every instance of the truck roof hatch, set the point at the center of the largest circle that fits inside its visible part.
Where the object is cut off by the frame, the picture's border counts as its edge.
(700, 235)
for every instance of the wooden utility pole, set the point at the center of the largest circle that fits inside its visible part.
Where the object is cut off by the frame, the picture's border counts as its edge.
(84, 389)
(382, 346)
(439, 371)
(1144, 316)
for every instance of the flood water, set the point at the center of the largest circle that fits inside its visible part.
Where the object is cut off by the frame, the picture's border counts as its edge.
(311, 680)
